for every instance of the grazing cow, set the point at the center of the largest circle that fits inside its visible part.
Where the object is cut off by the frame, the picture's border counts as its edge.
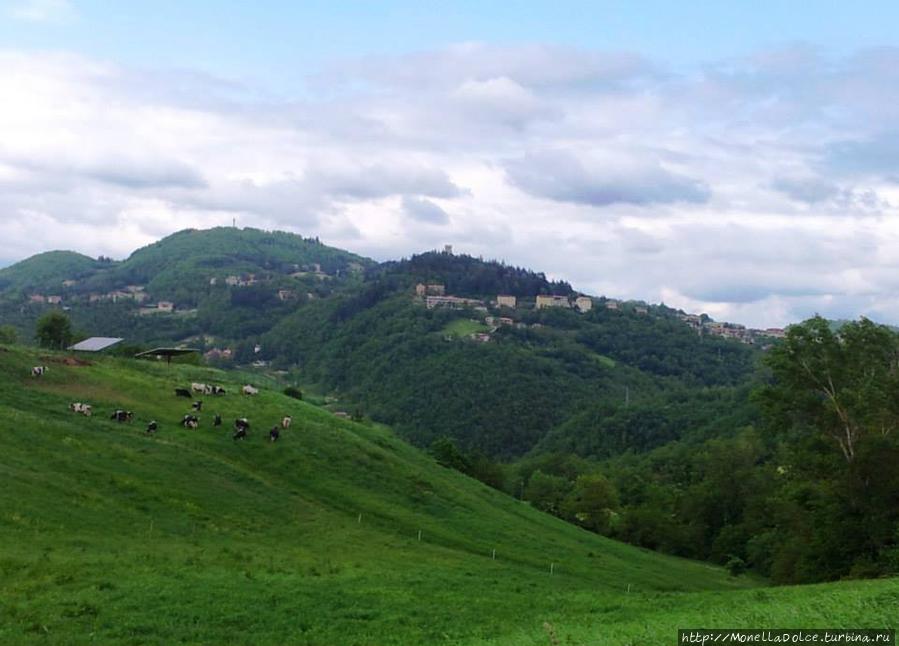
(249, 390)
(78, 407)
(274, 434)
(241, 428)
(152, 427)
(182, 392)
(285, 422)
(197, 405)
(190, 421)
(38, 371)
(198, 388)
(217, 390)
(122, 415)
(217, 420)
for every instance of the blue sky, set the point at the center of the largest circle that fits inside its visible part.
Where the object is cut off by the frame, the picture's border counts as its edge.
(734, 158)
(286, 40)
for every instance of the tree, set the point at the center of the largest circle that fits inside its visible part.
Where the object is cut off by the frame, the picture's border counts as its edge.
(546, 492)
(8, 334)
(592, 503)
(832, 406)
(841, 384)
(445, 452)
(54, 330)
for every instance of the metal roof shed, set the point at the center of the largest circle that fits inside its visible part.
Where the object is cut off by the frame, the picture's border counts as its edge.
(95, 344)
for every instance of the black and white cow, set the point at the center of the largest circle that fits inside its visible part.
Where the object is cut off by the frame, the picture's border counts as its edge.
(122, 415)
(152, 427)
(286, 421)
(217, 390)
(241, 427)
(197, 405)
(198, 388)
(274, 434)
(249, 390)
(190, 421)
(38, 371)
(78, 407)
(217, 420)
(182, 392)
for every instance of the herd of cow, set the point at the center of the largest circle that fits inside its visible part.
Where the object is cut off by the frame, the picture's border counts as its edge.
(190, 420)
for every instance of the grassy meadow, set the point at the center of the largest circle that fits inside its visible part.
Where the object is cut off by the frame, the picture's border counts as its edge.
(338, 534)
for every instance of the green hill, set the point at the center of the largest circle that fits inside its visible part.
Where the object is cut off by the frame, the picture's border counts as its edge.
(180, 266)
(115, 537)
(544, 375)
(226, 283)
(45, 273)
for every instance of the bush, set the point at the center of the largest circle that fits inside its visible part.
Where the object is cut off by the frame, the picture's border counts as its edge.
(293, 391)
(735, 566)
(8, 334)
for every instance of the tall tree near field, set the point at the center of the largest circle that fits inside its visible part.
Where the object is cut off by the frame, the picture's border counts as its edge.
(54, 330)
(833, 404)
(842, 383)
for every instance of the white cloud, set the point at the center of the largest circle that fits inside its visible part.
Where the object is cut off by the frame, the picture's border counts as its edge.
(760, 190)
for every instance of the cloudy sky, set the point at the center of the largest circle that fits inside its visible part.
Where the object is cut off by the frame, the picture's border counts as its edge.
(737, 158)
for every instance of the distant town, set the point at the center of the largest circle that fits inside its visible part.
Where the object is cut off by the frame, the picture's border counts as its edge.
(493, 314)
(434, 295)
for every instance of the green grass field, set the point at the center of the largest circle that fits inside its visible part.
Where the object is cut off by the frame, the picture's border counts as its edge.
(461, 328)
(111, 537)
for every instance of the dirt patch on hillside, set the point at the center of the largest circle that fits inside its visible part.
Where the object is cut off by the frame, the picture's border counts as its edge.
(68, 361)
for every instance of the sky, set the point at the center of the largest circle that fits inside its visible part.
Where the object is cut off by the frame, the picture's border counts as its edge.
(734, 158)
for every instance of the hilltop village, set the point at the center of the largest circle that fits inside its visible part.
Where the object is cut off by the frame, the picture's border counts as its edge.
(500, 311)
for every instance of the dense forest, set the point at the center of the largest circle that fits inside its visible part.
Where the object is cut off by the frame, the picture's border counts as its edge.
(383, 349)
(807, 492)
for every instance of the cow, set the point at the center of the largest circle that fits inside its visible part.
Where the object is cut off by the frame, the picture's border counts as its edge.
(249, 390)
(190, 421)
(182, 392)
(217, 390)
(152, 427)
(274, 434)
(197, 405)
(242, 422)
(217, 420)
(38, 371)
(78, 407)
(198, 388)
(239, 434)
(285, 422)
(122, 415)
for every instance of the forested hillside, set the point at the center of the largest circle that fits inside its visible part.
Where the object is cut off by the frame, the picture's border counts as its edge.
(45, 272)
(496, 379)
(546, 374)
(226, 284)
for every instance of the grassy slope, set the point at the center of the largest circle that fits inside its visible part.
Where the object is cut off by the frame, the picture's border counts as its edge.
(463, 328)
(108, 536)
